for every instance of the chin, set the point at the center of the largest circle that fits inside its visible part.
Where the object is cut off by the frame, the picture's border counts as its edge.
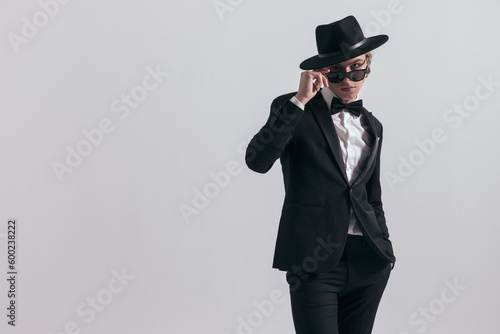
(347, 96)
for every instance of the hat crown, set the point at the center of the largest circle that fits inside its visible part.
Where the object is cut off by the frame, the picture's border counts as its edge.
(340, 41)
(339, 35)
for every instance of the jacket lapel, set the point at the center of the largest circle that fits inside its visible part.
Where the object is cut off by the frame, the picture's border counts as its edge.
(322, 115)
(371, 124)
(376, 139)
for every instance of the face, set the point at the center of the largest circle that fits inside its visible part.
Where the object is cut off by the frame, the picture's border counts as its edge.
(348, 90)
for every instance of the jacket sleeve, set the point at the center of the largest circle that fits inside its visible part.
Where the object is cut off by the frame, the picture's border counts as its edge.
(268, 144)
(374, 191)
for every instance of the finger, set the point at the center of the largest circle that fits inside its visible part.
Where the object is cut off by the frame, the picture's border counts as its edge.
(326, 82)
(314, 85)
(312, 81)
(322, 79)
(317, 85)
(322, 70)
(306, 81)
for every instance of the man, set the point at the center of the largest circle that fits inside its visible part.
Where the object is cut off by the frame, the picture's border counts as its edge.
(332, 238)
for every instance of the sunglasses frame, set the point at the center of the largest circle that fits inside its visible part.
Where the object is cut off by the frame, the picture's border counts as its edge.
(347, 74)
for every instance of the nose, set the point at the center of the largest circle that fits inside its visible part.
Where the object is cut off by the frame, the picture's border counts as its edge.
(346, 78)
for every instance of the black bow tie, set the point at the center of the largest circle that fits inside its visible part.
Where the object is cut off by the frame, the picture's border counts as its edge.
(353, 107)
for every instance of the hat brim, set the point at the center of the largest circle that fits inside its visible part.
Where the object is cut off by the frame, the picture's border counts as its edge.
(316, 62)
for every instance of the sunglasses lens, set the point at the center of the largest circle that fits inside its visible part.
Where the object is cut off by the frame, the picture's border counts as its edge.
(335, 77)
(356, 75)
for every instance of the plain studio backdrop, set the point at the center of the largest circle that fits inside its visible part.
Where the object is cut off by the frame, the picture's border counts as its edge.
(122, 136)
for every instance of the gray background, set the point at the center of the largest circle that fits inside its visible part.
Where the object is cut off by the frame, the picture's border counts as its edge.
(120, 208)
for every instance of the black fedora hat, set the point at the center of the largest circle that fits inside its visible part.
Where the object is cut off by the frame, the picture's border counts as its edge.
(340, 41)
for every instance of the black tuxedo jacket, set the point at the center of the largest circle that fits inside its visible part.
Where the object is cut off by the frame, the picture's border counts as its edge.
(318, 198)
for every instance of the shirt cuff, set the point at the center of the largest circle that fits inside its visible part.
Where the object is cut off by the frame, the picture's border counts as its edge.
(296, 101)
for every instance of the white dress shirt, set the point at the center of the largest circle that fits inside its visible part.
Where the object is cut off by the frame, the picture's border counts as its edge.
(355, 143)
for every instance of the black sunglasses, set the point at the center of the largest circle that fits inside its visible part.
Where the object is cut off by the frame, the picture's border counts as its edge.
(336, 77)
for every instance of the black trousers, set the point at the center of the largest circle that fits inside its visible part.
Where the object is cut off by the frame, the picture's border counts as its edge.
(344, 300)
